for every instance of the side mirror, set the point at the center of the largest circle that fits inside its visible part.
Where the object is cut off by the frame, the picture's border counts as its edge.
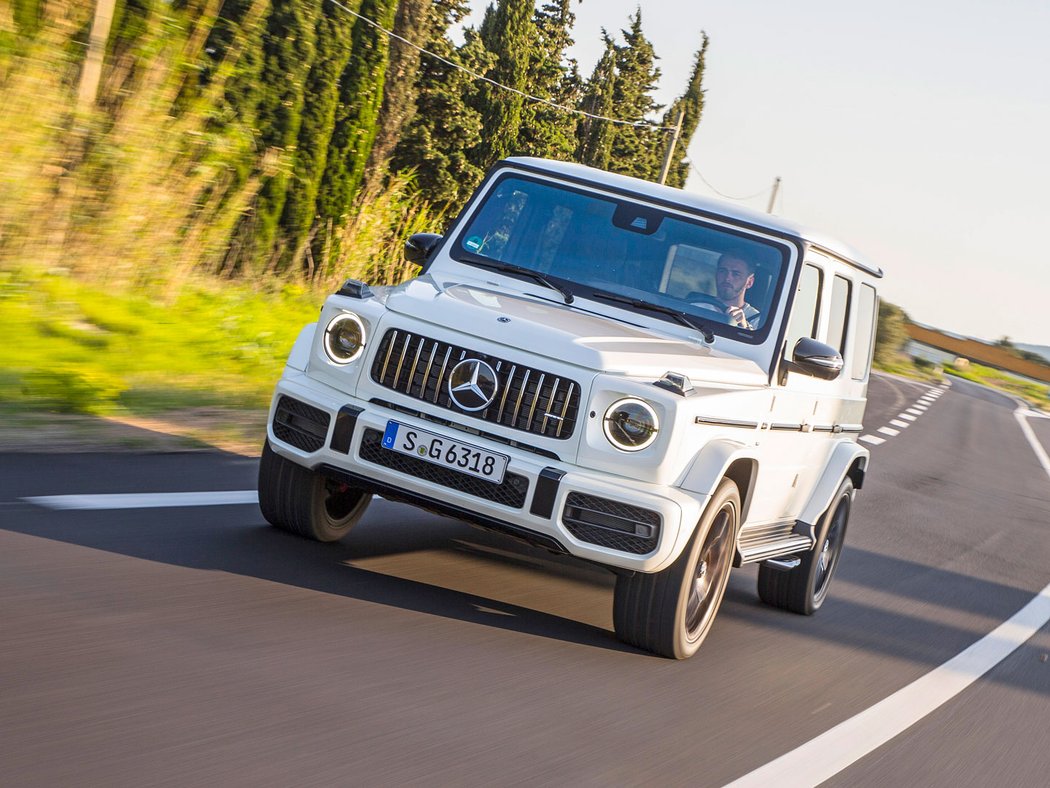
(816, 359)
(419, 247)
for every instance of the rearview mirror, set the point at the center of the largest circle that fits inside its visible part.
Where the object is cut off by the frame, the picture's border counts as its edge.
(419, 247)
(814, 358)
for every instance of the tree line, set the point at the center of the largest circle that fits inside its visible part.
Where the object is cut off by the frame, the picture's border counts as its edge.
(312, 109)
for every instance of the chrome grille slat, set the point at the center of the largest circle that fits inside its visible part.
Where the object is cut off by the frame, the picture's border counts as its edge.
(415, 363)
(550, 402)
(389, 350)
(521, 393)
(441, 377)
(401, 360)
(428, 362)
(564, 408)
(426, 373)
(535, 399)
(506, 391)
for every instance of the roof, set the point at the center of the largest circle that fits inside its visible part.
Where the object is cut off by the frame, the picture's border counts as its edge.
(708, 205)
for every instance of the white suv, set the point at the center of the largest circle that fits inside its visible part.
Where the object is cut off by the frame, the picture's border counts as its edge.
(659, 383)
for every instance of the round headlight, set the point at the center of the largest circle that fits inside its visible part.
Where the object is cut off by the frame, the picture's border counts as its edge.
(344, 339)
(631, 424)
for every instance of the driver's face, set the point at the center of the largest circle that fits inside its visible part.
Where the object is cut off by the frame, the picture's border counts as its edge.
(732, 279)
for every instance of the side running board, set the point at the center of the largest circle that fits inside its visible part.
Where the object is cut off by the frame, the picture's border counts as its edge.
(779, 540)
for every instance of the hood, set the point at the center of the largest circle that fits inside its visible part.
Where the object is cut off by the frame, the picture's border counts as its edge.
(566, 333)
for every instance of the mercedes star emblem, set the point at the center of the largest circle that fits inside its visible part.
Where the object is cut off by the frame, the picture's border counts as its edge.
(473, 384)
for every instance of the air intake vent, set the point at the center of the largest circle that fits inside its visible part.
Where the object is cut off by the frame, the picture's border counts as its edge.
(526, 398)
(619, 526)
(300, 425)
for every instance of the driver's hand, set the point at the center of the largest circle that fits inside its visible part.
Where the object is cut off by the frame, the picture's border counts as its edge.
(736, 317)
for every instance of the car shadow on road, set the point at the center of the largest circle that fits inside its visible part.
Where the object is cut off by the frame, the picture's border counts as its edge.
(411, 560)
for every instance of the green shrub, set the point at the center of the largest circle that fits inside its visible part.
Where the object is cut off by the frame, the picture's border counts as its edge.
(72, 390)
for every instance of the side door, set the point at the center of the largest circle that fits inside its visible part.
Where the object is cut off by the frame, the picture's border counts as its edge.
(783, 445)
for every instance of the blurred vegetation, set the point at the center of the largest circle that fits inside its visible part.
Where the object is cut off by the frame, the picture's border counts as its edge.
(236, 138)
(72, 347)
(891, 335)
(182, 180)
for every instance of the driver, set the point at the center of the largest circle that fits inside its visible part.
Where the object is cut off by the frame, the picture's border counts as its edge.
(733, 276)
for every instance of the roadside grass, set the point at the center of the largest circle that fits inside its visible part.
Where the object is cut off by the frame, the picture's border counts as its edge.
(907, 367)
(72, 347)
(1035, 394)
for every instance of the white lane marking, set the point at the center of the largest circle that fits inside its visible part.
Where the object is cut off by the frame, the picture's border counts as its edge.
(906, 416)
(823, 757)
(1040, 453)
(916, 410)
(927, 400)
(145, 500)
(889, 431)
(898, 423)
(828, 754)
(874, 440)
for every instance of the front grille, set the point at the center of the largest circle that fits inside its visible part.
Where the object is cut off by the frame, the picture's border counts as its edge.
(619, 526)
(527, 399)
(511, 492)
(300, 425)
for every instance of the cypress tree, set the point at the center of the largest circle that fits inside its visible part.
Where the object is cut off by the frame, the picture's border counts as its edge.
(692, 102)
(636, 150)
(288, 50)
(447, 124)
(241, 26)
(332, 51)
(595, 137)
(508, 32)
(360, 96)
(414, 22)
(27, 15)
(545, 130)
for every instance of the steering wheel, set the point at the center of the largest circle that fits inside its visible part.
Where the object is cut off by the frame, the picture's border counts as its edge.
(702, 297)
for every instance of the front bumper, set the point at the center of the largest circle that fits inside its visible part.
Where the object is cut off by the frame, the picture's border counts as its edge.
(550, 503)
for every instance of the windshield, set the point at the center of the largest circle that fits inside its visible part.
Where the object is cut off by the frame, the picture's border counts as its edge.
(597, 243)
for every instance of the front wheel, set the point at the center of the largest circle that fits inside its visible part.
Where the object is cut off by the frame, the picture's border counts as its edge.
(671, 612)
(804, 588)
(305, 502)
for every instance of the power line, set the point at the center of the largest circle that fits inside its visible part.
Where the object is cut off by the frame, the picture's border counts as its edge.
(720, 194)
(636, 123)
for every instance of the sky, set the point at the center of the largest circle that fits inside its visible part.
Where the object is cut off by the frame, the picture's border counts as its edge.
(917, 132)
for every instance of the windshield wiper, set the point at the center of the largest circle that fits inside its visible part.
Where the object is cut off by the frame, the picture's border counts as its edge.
(685, 320)
(536, 276)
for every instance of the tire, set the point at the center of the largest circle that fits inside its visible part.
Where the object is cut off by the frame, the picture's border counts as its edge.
(670, 612)
(803, 589)
(304, 502)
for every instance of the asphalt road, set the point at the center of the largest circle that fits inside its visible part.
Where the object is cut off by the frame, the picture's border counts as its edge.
(198, 646)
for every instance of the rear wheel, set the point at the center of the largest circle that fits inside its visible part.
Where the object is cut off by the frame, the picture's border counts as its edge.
(305, 502)
(671, 612)
(804, 588)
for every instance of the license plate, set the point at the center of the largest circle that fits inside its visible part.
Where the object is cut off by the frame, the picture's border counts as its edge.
(444, 451)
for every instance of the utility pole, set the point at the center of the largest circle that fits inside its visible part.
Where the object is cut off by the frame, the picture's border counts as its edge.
(671, 146)
(92, 69)
(773, 196)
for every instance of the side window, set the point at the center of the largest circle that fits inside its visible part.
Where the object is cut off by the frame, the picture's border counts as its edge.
(840, 292)
(803, 322)
(865, 333)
